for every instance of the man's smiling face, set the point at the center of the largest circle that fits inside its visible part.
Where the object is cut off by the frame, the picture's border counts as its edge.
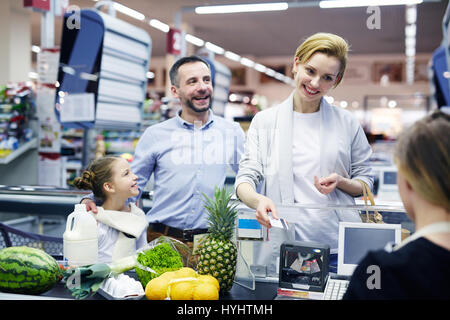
(194, 86)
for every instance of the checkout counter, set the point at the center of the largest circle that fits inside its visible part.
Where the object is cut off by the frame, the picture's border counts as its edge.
(256, 275)
(263, 291)
(43, 210)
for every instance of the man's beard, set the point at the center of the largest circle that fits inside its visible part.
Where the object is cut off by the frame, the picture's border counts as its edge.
(198, 110)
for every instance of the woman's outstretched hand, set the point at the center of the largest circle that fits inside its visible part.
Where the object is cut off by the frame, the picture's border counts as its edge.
(265, 205)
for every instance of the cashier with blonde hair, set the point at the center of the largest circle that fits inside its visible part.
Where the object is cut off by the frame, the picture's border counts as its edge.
(420, 267)
(305, 150)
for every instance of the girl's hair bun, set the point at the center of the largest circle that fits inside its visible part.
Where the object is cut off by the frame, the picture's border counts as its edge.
(85, 181)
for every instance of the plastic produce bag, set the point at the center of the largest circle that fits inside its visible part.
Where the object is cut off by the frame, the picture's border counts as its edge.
(161, 255)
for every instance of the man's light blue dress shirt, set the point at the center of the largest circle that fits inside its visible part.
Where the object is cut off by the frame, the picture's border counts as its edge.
(186, 161)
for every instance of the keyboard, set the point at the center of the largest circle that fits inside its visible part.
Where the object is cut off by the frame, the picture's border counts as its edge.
(335, 289)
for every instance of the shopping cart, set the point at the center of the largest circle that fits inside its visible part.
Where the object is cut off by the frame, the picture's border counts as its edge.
(10, 237)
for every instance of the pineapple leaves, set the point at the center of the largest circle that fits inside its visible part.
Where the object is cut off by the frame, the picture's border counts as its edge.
(222, 214)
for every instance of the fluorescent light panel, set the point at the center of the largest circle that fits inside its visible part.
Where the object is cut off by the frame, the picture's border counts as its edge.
(270, 72)
(194, 40)
(410, 30)
(129, 12)
(259, 67)
(232, 56)
(410, 51)
(411, 14)
(279, 76)
(365, 3)
(214, 48)
(247, 62)
(254, 7)
(155, 23)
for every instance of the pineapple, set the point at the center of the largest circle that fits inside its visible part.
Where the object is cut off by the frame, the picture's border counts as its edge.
(218, 253)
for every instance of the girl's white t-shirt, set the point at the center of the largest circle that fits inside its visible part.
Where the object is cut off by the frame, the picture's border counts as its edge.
(108, 236)
(107, 239)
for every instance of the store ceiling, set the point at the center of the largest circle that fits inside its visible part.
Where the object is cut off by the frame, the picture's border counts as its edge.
(266, 34)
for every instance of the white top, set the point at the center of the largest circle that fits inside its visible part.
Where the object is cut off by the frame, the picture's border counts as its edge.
(306, 157)
(306, 154)
(113, 244)
(107, 239)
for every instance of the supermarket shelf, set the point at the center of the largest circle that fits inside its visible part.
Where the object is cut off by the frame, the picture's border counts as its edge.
(19, 151)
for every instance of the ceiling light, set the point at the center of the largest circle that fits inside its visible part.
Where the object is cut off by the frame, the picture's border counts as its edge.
(410, 30)
(155, 23)
(410, 51)
(35, 49)
(279, 76)
(259, 67)
(212, 47)
(365, 3)
(194, 40)
(270, 72)
(129, 12)
(290, 81)
(150, 75)
(392, 104)
(247, 62)
(254, 7)
(410, 42)
(411, 15)
(232, 56)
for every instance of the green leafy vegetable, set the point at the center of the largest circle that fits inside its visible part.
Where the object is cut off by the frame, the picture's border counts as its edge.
(84, 281)
(160, 259)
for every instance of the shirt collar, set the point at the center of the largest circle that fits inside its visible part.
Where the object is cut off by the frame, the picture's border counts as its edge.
(186, 124)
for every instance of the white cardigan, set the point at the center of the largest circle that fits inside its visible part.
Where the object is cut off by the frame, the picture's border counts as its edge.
(267, 161)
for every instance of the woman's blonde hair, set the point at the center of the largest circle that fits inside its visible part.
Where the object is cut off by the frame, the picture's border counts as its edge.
(97, 173)
(422, 157)
(330, 44)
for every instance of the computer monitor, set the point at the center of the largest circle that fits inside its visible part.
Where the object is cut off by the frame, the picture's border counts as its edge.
(388, 178)
(356, 239)
(387, 183)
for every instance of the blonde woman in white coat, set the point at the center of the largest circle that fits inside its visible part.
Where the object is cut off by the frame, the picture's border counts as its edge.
(305, 150)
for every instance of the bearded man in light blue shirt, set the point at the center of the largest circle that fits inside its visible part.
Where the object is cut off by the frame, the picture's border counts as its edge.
(188, 155)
